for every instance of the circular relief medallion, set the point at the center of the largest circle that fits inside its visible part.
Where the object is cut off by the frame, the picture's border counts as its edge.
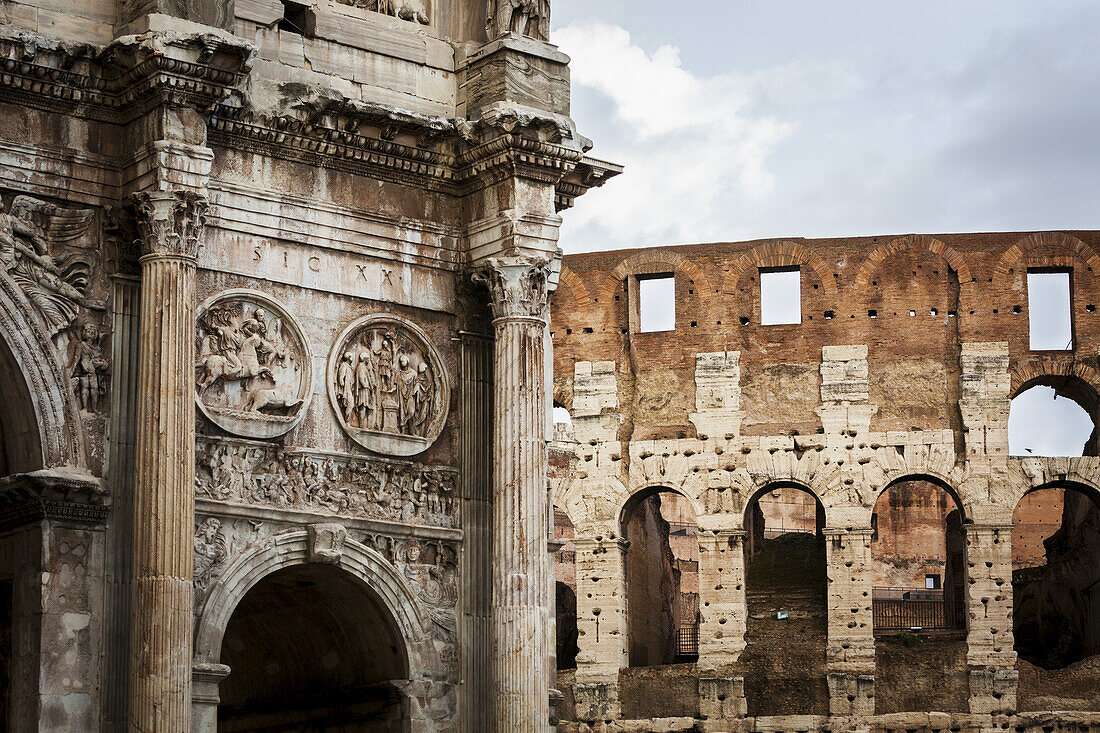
(388, 386)
(253, 368)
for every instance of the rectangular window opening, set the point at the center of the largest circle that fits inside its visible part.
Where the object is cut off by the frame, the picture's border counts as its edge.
(297, 18)
(780, 296)
(932, 582)
(656, 303)
(1049, 314)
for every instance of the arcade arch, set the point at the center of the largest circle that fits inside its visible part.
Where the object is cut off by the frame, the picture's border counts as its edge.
(1056, 575)
(1054, 415)
(662, 577)
(565, 591)
(786, 597)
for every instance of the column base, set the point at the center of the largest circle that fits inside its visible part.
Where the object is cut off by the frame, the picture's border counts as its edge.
(851, 694)
(205, 679)
(596, 701)
(722, 698)
(993, 691)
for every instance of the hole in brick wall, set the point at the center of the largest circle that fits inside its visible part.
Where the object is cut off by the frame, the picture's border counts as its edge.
(935, 312)
(1090, 308)
(693, 324)
(568, 331)
(912, 313)
(951, 314)
(995, 311)
(656, 303)
(872, 313)
(1049, 310)
(780, 296)
(616, 297)
(829, 315)
(1017, 309)
(744, 321)
(588, 330)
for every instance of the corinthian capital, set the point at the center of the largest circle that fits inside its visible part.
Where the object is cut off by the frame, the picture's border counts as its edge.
(519, 286)
(169, 223)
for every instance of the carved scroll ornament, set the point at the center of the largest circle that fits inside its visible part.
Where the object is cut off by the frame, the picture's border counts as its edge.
(252, 367)
(388, 386)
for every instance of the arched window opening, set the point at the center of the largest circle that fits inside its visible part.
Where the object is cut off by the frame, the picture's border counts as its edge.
(309, 647)
(1054, 416)
(786, 594)
(918, 551)
(662, 579)
(563, 423)
(565, 583)
(1055, 580)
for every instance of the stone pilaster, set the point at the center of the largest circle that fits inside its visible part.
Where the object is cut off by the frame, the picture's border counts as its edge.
(520, 516)
(850, 652)
(601, 627)
(170, 224)
(990, 654)
(723, 622)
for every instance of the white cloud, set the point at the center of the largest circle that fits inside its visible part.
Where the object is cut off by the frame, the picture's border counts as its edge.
(694, 152)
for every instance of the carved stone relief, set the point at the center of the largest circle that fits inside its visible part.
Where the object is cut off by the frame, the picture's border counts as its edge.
(529, 18)
(387, 386)
(252, 473)
(253, 373)
(88, 366)
(415, 11)
(211, 552)
(326, 542)
(56, 284)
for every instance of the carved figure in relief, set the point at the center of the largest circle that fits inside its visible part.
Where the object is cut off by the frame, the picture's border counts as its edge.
(394, 388)
(57, 287)
(410, 10)
(526, 17)
(345, 387)
(251, 367)
(272, 476)
(211, 551)
(88, 368)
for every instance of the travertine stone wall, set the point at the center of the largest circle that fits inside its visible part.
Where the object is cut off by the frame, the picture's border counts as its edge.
(881, 383)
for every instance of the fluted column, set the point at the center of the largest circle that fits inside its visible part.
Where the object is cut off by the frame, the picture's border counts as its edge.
(520, 517)
(170, 225)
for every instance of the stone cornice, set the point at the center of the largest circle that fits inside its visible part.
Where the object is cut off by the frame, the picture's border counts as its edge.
(52, 494)
(124, 79)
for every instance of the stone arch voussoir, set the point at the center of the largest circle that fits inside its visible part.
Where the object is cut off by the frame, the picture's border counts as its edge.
(783, 253)
(1068, 248)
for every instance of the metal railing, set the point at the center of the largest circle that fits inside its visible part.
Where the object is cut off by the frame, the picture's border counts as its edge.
(908, 609)
(687, 641)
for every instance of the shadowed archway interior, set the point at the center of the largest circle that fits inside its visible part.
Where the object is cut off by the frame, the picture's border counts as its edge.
(309, 648)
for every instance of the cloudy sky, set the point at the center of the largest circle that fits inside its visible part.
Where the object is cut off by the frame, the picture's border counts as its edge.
(738, 120)
(741, 119)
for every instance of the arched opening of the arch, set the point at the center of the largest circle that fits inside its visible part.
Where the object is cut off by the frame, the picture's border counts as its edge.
(565, 592)
(918, 565)
(311, 648)
(1056, 597)
(1054, 415)
(786, 594)
(662, 578)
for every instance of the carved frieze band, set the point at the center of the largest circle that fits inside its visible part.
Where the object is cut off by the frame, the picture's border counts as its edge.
(169, 223)
(246, 472)
(518, 286)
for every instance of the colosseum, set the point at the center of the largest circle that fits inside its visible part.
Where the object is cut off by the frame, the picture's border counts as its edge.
(789, 501)
(284, 323)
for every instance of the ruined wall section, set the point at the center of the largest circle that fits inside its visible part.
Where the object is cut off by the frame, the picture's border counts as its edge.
(903, 366)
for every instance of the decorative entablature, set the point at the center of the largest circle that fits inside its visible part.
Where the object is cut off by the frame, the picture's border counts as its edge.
(206, 71)
(52, 495)
(129, 76)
